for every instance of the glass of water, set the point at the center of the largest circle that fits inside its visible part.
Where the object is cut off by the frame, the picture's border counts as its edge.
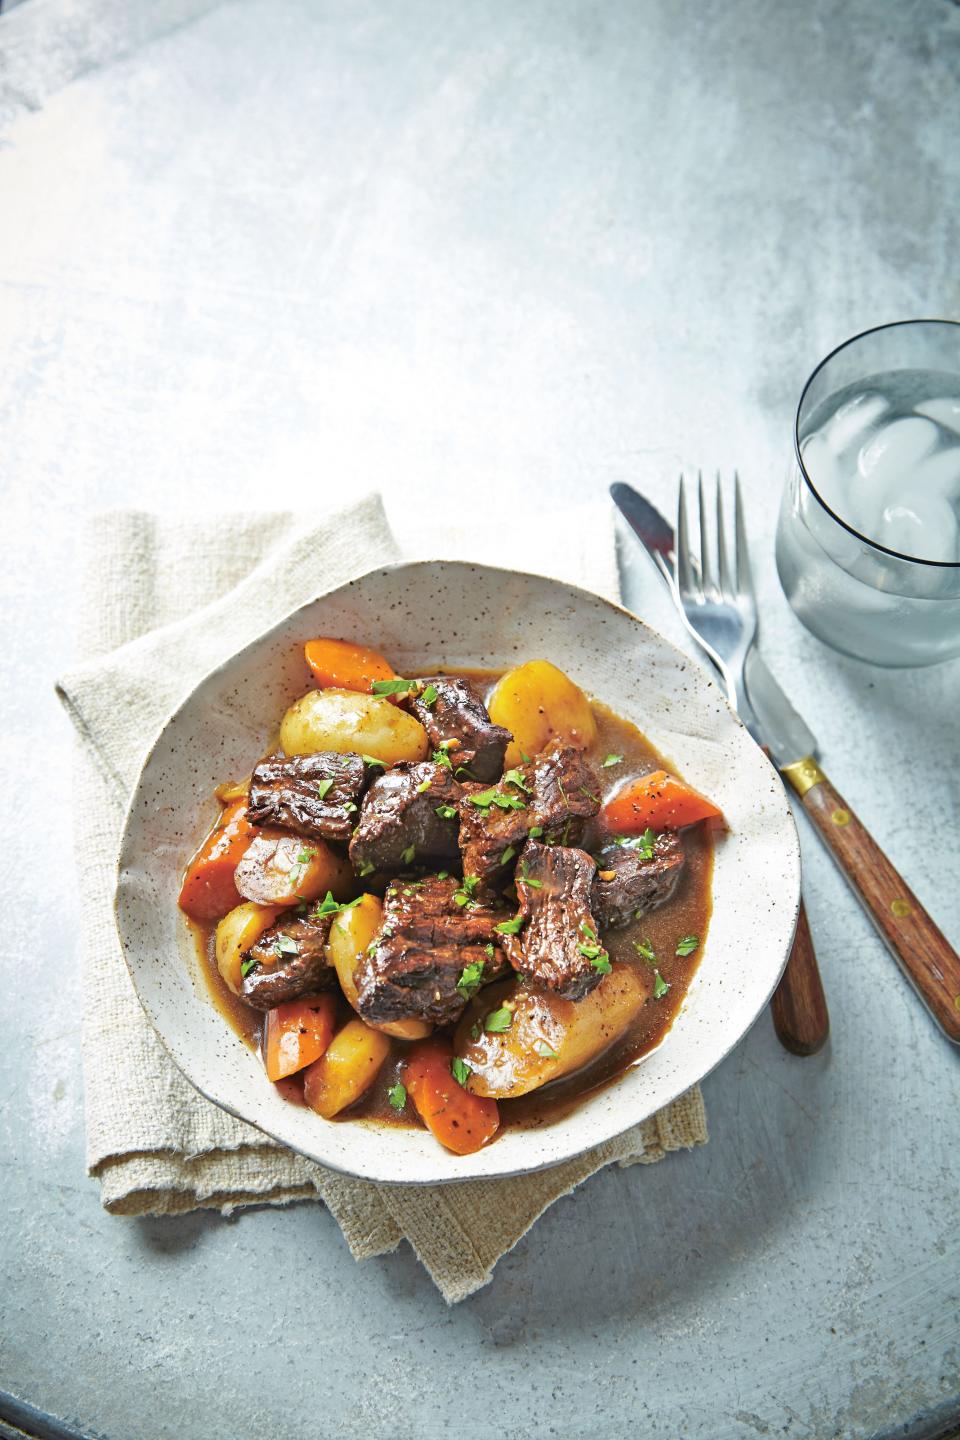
(868, 542)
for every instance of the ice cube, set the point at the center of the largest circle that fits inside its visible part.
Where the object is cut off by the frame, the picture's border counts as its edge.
(888, 459)
(925, 526)
(851, 422)
(939, 474)
(945, 410)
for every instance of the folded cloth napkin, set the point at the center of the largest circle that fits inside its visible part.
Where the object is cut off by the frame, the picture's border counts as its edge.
(165, 599)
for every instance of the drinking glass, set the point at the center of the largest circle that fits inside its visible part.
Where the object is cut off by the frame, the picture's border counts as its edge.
(877, 449)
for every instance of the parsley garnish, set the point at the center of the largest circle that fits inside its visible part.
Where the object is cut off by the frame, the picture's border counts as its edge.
(646, 951)
(612, 760)
(470, 977)
(528, 879)
(465, 892)
(593, 950)
(393, 687)
(643, 844)
(446, 812)
(408, 854)
(513, 777)
(535, 832)
(493, 796)
(601, 962)
(329, 906)
(372, 760)
(425, 785)
(489, 949)
(524, 757)
(687, 945)
(286, 945)
(367, 868)
(498, 1021)
(443, 874)
(429, 695)
(475, 1030)
(247, 965)
(660, 986)
(397, 1095)
(542, 1048)
(440, 757)
(322, 787)
(460, 1070)
(350, 807)
(510, 927)
(508, 854)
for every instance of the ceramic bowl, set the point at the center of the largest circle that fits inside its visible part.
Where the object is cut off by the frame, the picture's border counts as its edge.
(453, 614)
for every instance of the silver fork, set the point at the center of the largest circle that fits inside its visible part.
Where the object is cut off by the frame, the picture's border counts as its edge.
(717, 599)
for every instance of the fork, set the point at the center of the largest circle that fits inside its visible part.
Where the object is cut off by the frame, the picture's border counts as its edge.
(719, 608)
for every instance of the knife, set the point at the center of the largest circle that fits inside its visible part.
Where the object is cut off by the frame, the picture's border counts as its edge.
(917, 944)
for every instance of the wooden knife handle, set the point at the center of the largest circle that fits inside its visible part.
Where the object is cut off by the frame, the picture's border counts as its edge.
(799, 1006)
(919, 947)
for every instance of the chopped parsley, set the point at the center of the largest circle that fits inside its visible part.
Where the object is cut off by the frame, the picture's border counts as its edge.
(429, 696)
(465, 893)
(498, 1020)
(460, 1070)
(443, 874)
(524, 757)
(660, 986)
(508, 854)
(424, 786)
(440, 757)
(372, 760)
(247, 965)
(513, 777)
(542, 1048)
(510, 927)
(646, 951)
(367, 868)
(329, 906)
(446, 812)
(490, 951)
(643, 844)
(612, 760)
(687, 945)
(470, 978)
(350, 807)
(528, 879)
(322, 787)
(593, 950)
(286, 945)
(408, 854)
(535, 832)
(397, 1095)
(601, 963)
(475, 1030)
(393, 687)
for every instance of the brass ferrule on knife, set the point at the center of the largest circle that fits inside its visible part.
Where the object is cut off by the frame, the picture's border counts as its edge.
(803, 774)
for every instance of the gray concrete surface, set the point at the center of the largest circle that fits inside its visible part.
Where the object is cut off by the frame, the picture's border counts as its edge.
(258, 253)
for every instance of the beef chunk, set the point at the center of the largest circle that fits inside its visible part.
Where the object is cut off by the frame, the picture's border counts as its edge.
(290, 961)
(551, 794)
(426, 943)
(557, 943)
(402, 823)
(314, 795)
(457, 715)
(629, 881)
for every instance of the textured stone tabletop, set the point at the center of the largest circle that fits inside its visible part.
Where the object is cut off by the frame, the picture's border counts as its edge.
(485, 254)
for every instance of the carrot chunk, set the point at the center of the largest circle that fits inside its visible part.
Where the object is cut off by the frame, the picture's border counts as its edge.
(658, 801)
(462, 1122)
(208, 890)
(339, 665)
(297, 1034)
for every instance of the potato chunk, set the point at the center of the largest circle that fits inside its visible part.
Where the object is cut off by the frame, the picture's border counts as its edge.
(282, 869)
(344, 721)
(348, 1068)
(350, 934)
(237, 931)
(545, 1037)
(538, 703)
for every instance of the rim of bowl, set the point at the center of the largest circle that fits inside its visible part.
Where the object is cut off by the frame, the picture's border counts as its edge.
(857, 534)
(570, 1150)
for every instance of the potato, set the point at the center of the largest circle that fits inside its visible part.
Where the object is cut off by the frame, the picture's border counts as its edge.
(237, 931)
(538, 703)
(282, 869)
(346, 1070)
(344, 720)
(350, 934)
(548, 1037)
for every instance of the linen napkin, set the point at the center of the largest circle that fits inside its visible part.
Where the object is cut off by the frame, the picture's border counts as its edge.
(163, 600)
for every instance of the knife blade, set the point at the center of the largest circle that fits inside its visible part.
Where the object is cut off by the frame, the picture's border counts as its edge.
(781, 729)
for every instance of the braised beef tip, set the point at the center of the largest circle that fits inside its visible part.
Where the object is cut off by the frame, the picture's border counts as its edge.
(458, 718)
(553, 794)
(557, 944)
(409, 817)
(289, 961)
(628, 885)
(427, 942)
(315, 795)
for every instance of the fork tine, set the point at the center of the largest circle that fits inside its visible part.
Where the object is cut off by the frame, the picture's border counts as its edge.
(744, 575)
(726, 582)
(707, 578)
(686, 579)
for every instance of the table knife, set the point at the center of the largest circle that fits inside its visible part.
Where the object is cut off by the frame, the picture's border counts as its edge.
(917, 944)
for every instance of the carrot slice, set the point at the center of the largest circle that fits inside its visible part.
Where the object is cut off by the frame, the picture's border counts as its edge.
(658, 801)
(339, 665)
(208, 890)
(462, 1122)
(297, 1034)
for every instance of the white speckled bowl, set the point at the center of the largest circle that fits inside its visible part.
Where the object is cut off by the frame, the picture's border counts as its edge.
(454, 614)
